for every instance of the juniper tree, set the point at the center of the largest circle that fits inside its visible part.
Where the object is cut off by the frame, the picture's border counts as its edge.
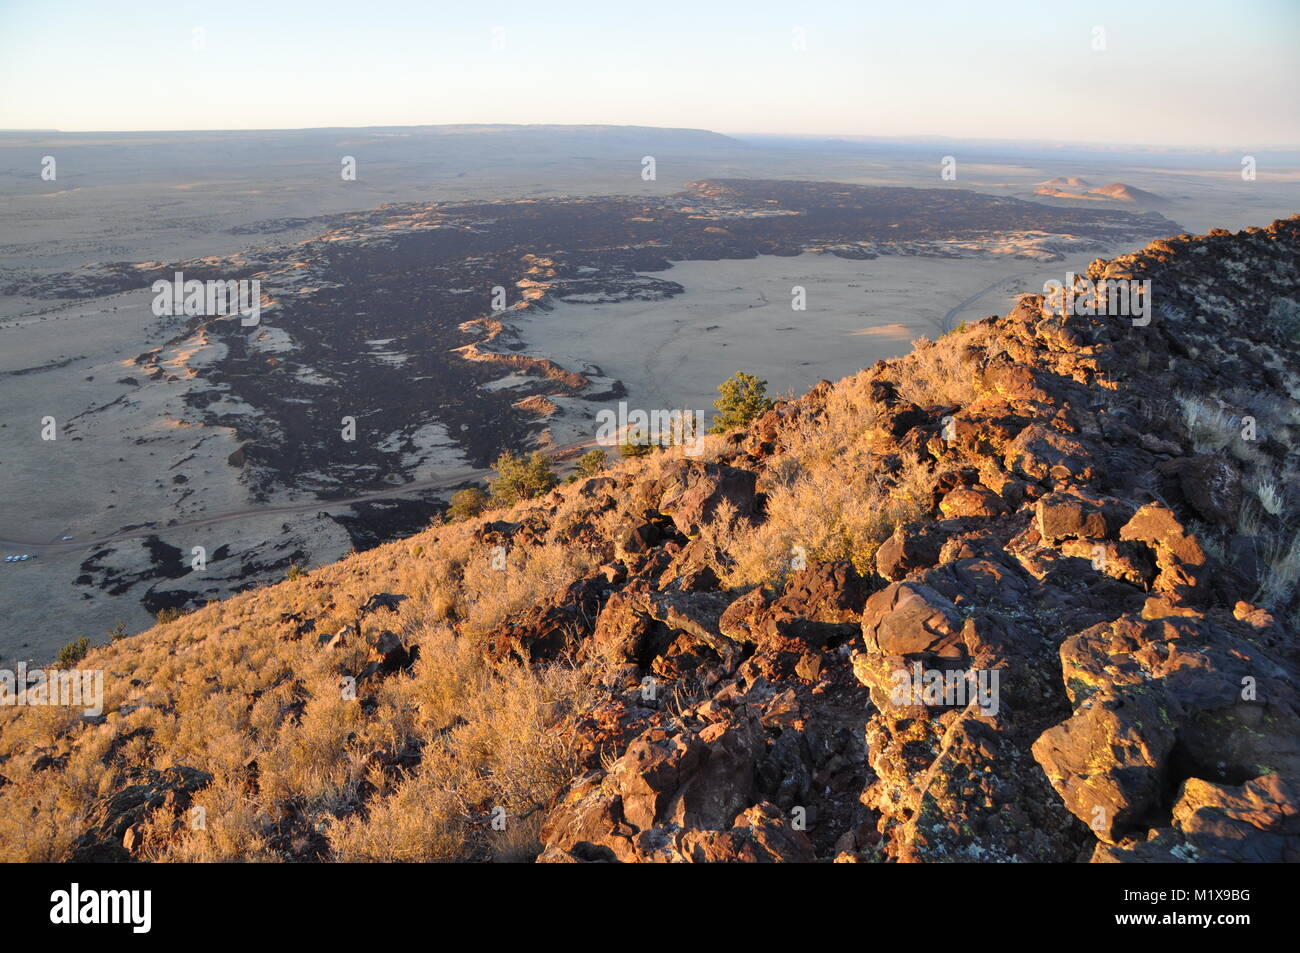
(744, 397)
(467, 503)
(591, 463)
(521, 477)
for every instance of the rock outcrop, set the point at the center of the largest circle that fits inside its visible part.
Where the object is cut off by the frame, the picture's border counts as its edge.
(1057, 662)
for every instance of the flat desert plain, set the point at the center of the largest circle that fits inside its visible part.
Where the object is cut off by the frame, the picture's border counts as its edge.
(738, 316)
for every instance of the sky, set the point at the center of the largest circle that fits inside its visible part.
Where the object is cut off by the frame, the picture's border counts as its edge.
(1218, 73)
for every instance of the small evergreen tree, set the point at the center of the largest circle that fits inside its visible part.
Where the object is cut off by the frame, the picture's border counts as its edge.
(72, 653)
(744, 397)
(591, 463)
(635, 444)
(467, 503)
(521, 478)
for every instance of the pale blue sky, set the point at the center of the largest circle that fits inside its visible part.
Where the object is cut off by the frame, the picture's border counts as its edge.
(1186, 72)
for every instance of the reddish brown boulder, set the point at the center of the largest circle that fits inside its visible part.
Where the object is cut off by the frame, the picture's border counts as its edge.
(972, 501)
(696, 780)
(1080, 514)
(909, 619)
(1049, 456)
(543, 631)
(1108, 761)
(909, 548)
(829, 592)
(692, 492)
(1179, 555)
(760, 834)
(1143, 687)
(1014, 383)
(387, 653)
(1256, 822)
(625, 625)
(112, 819)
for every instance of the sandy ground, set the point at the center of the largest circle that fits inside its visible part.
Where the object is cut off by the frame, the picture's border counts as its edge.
(116, 443)
(123, 455)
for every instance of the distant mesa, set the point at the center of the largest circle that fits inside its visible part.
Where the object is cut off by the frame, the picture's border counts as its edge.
(1129, 193)
(1073, 182)
(1077, 189)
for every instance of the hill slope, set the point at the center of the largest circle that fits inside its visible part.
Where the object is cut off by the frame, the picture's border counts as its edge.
(1090, 523)
(1079, 190)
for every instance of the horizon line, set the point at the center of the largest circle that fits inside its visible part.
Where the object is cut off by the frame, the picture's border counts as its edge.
(841, 137)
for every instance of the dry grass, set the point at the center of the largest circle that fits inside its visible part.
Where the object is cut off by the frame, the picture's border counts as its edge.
(1268, 513)
(510, 749)
(1210, 426)
(827, 499)
(937, 373)
(234, 683)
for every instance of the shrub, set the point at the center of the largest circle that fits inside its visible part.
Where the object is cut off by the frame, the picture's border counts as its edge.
(172, 613)
(631, 448)
(1285, 313)
(521, 477)
(1270, 497)
(937, 374)
(467, 503)
(744, 397)
(1281, 571)
(591, 463)
(72, 653)
(1210, 426)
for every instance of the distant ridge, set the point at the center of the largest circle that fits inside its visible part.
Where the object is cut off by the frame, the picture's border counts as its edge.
(1076, 189)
